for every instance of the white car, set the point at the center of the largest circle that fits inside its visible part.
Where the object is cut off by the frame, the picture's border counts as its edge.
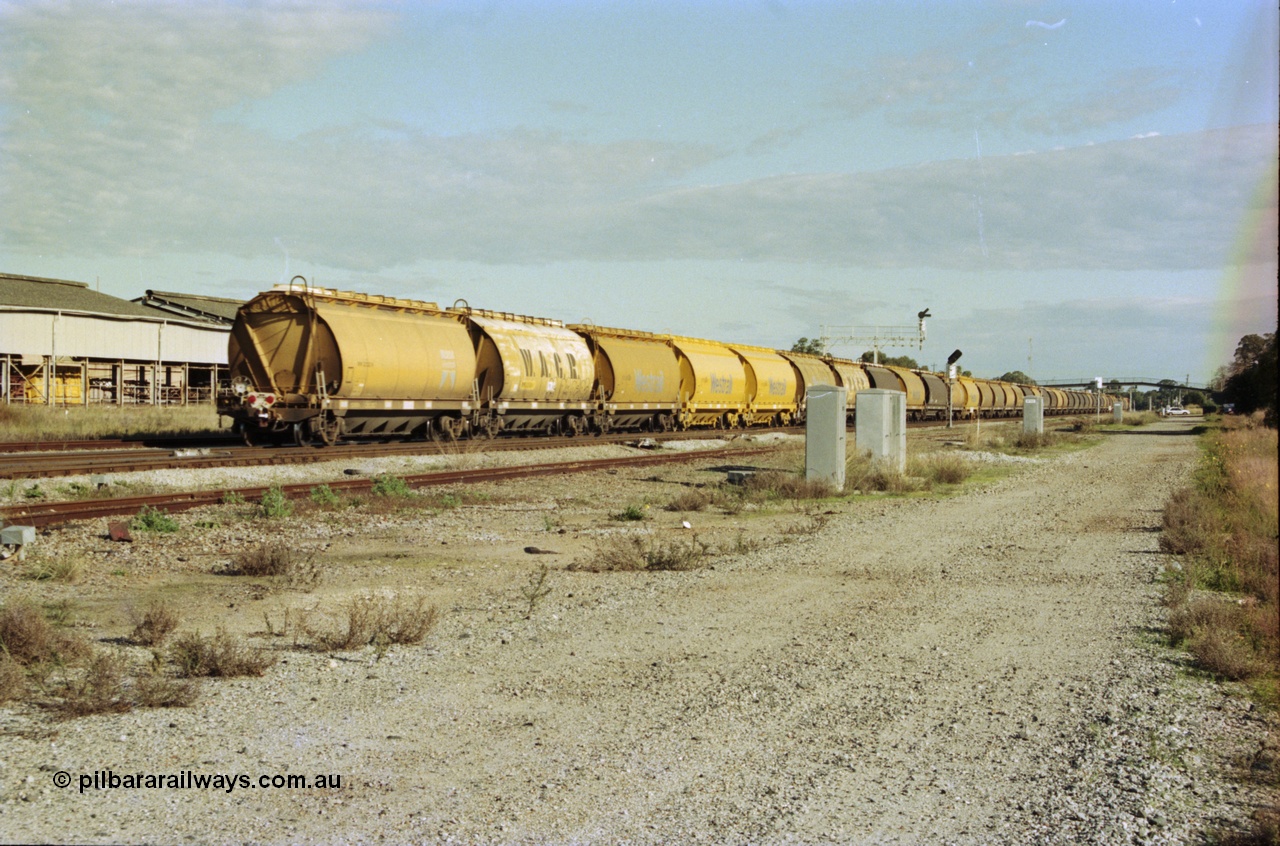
(1176, 412)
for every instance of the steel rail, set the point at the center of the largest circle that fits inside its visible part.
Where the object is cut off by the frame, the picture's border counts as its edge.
(53, 513)
(51, 465)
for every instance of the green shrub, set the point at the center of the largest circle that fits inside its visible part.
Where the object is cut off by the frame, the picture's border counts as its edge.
(324, 496)
(385, 484)
(631, 512)
(275, 505)
(152, 520)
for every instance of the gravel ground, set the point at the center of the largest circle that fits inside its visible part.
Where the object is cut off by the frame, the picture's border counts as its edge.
(983, 668)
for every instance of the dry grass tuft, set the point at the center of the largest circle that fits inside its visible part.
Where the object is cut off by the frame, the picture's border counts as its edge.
(155, 624)
(27, 637)
(862, 473)
(371, 619)
(98, 689)
(693, 499)
(638, 552)
(44, 423)
(221, 656)
(13, 679)
(775, 484)
(68, 570)
(154, 690)
(277, 559)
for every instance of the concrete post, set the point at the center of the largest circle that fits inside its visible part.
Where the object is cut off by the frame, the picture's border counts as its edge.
(1117, 412)
(824, 434)
(1033, 415)
(882, 427)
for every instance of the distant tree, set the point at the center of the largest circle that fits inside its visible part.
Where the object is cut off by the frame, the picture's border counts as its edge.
(812, 347)
(894, 360)
(1017, 376)
(1252, 383)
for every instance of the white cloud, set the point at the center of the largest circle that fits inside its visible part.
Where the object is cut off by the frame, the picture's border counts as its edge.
(117, 142)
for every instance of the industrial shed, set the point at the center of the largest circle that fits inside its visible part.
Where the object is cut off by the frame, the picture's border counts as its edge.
(63, 343)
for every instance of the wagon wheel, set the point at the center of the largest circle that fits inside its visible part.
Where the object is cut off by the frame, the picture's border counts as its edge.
(449, 428)
(329, 428)
(302, 433)
(249, 435)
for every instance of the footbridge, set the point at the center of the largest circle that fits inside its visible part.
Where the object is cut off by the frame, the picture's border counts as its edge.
(1126, 381)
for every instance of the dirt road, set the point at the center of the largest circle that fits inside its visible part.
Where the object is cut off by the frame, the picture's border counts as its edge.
(984, 668)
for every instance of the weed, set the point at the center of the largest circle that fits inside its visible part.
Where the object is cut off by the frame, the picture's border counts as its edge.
(324, 496)
(743, 545)
(631, 512)
(155, 624)
(551, 522)
(1224, 528)
(33, 492)
(222, 656)
(385, 484)
(536, 590)
(275, 505)
(363, 619)
(152, 520)
(232, 498)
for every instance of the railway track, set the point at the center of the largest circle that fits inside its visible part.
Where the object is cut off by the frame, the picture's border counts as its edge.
(115, 459)
(52, 459)
(52, 513)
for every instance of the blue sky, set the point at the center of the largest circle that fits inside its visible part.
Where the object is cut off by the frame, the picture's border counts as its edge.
(1088, 183)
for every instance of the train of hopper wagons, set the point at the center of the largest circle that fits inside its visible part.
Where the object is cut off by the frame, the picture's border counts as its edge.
(316, 365)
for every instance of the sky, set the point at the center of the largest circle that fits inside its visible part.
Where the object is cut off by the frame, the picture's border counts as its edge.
(1073, 189)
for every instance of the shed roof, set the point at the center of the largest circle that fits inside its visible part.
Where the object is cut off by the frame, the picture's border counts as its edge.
(61, 294)
(194, 306)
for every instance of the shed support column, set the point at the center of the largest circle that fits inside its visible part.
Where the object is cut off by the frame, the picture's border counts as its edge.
(84, 383)
(48, 394)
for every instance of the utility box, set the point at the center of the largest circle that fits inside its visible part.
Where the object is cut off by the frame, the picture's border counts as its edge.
(1117, 412)
(824, 434)
(15, 539)
(882, 427)
(1033, 415)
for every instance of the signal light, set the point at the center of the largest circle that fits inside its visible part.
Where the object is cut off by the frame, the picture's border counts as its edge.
(252, 399)
(271, 399)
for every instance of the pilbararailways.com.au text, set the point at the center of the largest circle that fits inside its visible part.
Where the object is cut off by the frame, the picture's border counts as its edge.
(188, 780)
